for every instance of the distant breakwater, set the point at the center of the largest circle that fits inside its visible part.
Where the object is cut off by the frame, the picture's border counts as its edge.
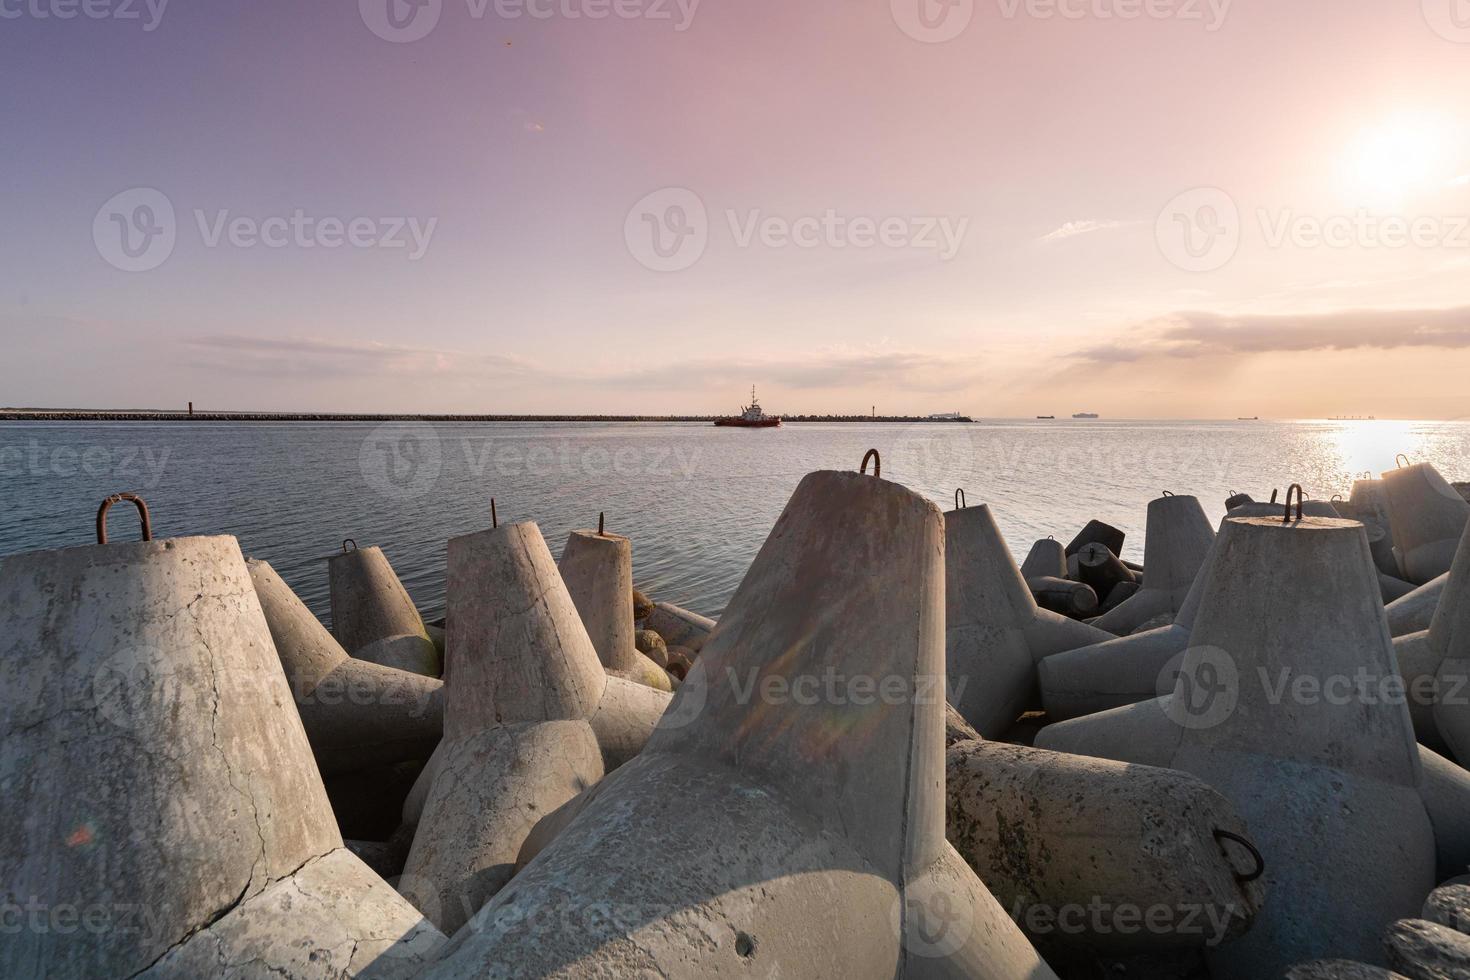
(85, 415)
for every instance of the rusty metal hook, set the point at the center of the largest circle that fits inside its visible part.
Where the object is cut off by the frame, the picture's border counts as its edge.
(133, 498)
(1301, 496)
(959, 499)
(1406, 460)
(1275, 492)
(600, 524)
(1168, 493)
(877, 462)
(346, 542)
(1336, 497)
(494, 520)
(1255, 855)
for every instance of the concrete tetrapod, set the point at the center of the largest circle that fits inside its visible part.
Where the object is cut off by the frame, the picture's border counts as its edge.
(1175, 548)
(1426, 516)
(622, 717)
(598, 571)
(156, 772)
(1140, 666)
(372, 615)
(995, 631)
(1447, 641)
(1329, 784)
(357, 714)
(1415, 611)
(1046, 559)
(516, 740)
(811, 834)
(1057, 838)
(679, 627)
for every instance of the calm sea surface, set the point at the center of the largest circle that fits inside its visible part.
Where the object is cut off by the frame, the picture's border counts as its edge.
(696, 500)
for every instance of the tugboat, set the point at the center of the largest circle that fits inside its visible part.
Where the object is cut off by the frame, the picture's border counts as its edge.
(751, 416)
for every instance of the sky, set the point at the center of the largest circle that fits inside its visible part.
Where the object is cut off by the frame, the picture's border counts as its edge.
(1141, 208)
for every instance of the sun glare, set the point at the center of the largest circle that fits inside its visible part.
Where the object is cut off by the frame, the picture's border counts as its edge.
(1399, 156)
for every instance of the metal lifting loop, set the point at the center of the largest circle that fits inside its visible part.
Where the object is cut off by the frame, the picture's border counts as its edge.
(877, 462)
(1255, 855)
(1275, 492)
(137, 501)
(346, 542)
(599, 523)
(1336, 498)
(1301, 496)
(959, 499)
(1405, 458)
(1168, 493)
(494, 520)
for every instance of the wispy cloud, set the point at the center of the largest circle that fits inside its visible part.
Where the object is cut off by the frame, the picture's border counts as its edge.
(1072, 229)
(1193, 335)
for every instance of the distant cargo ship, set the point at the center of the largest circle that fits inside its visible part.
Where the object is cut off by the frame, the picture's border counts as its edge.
(1085, 415)
(751, 416)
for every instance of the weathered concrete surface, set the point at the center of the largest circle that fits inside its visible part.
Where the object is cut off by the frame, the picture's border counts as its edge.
(373, 616)
(598, 572)
(679, 627)
(1102, 570)
(1329, 785)
(153, 762)
(956, 729)
(1340, 970)
(1063, 596)
(1415, 611)
(1175, 548)
(332, 919)
(1427, 951)
(625, 719)
(1061, 833)
(1047, 559)
(1446, 795)
(1448, 640)
(1449, 905)
(1099, 532)
(995, 632)
(807, 831)
(1427, 517)
(491, 789)
(356, 714)
(1122, 670)
(413, 804)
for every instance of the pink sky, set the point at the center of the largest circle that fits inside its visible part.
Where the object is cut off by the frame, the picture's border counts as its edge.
(850, 214)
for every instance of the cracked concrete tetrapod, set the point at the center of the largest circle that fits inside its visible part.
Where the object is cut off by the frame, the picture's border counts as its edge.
(1426, 516)
(679, 627)
(1175, 548)
(1328, 782)
(516, 740)
(357, 714)
(811, 834)
(598, 571)
(995, 631)
(1051, 831)
(155, 768)
(372, 615)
